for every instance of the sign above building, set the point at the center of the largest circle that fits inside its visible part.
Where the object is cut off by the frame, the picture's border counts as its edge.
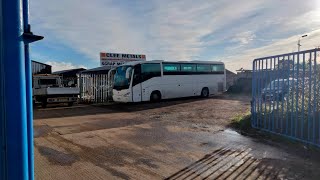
(116, 59)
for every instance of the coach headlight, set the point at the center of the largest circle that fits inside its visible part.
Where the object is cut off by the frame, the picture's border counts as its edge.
(126, 94)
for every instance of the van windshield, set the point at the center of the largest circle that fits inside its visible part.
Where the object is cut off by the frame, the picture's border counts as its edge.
(48, 82)
(120, 79)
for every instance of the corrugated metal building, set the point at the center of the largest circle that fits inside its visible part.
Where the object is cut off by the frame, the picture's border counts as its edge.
(231, 78)
(40, 68)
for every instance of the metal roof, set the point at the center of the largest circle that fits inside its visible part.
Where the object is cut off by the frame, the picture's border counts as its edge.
(69, 71)
(103, 69)
(40, 63)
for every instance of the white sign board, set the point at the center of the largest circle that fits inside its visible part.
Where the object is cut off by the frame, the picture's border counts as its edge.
(116, 59)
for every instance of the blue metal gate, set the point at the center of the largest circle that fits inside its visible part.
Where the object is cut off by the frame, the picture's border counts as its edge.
(285, 95)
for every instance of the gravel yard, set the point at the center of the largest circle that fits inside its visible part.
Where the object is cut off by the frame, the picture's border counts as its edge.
(176, 139)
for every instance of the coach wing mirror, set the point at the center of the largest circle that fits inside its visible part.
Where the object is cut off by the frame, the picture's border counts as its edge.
(128, 72)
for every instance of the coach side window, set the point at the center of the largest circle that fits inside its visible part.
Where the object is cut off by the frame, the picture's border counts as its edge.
(219, 68)
(203, 68)
(171, 68)
(188, 67)
(150, 70)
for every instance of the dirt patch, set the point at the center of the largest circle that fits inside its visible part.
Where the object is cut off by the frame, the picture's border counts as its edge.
(147, 162)
(41, 131)
(57, 157)
(184, 138)
(98, 125)
(161, 129)
(117, 173)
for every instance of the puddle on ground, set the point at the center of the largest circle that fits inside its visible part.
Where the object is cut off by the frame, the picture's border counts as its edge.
(231, 131)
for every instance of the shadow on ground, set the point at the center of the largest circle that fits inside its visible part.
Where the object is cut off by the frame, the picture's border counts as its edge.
(228, 163)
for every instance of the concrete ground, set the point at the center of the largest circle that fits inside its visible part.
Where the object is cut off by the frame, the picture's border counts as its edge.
(176, 139)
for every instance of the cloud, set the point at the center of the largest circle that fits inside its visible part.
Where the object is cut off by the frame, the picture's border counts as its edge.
(59, 66)
(244, 37)
(231, 31)
(282, 46)
(160, 28)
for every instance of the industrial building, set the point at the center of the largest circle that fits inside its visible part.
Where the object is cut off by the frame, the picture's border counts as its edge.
(40, 68)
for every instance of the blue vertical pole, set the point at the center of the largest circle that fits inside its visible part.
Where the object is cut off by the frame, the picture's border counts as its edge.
(278, 110)
(14, 110)
(260, 94)
(314, 96)
(253, 95)
(297, 97)
(28, 74)
(303, 89)
(2, 107)
(309, 96)
(275, 100)
(288, 99)
(265, 85)
(292, 98)
(269, 71)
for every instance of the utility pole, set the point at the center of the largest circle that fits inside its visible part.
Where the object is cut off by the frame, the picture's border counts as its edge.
(299, 44)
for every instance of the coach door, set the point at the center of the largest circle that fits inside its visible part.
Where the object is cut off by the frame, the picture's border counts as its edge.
(136, 84)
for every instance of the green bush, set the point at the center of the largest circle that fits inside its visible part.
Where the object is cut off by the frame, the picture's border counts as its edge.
(242, 121)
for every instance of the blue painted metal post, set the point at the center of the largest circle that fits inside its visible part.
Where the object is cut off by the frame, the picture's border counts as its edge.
(253, 102)
(14, 111)
(16, 91)
(28, 73)
(2, 115)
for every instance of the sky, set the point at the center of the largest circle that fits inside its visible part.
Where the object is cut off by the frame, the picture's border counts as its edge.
(234, 32)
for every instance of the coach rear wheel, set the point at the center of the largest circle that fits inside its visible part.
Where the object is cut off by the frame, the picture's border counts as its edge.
(205, 92)
(155, 96)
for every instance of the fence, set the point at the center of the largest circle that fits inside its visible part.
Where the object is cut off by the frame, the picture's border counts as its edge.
(285, 95)
(93, 88)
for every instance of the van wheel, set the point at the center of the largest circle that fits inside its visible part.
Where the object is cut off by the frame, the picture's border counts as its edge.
(44, 104)
(155, 96)
(70, 104)
(205, 92)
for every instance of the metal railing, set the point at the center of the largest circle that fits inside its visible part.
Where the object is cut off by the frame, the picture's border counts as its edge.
(94, 88)
(285, 95)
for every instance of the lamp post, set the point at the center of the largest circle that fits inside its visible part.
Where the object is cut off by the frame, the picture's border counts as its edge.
(299, 45)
